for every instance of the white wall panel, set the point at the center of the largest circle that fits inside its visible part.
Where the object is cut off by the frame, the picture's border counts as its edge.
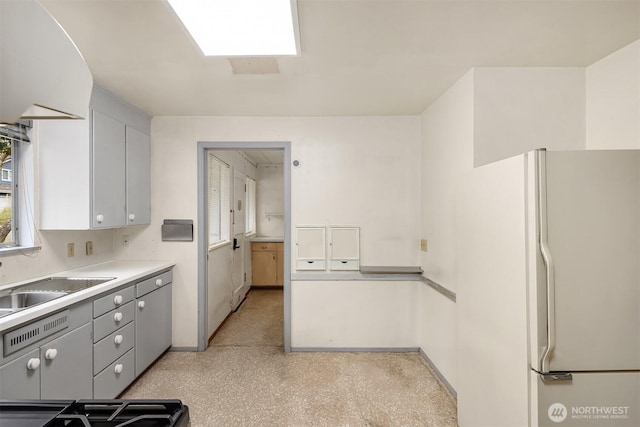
(356, 314)
(613, 100)
(520, 109)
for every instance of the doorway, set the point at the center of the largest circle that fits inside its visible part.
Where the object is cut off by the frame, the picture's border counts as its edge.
(238, 245)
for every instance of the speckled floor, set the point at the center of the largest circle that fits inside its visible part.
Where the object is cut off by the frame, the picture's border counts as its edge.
(245, 379)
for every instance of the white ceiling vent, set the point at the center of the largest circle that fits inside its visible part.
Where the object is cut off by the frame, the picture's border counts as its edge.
(254, 65)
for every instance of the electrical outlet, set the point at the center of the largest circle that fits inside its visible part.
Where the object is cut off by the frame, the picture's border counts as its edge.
(70, 249)
(89, 246)
(423, 245)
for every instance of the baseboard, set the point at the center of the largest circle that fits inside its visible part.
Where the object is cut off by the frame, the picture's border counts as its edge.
(183, 349)
(356, 349)
(438, 374)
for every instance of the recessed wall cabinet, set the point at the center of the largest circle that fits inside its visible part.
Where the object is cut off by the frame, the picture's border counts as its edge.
(344, 248)
(267, 264)
(310, 248)
(95, 173)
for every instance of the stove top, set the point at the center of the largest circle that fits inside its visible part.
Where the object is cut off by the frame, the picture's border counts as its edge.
(94, 413)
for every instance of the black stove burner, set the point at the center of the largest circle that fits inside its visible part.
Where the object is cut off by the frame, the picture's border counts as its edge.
(95, 413)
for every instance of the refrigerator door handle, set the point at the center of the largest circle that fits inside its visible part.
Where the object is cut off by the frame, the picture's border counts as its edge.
(548, 261)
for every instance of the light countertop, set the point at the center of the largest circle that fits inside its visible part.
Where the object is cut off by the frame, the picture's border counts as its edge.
(277, 239)
(123, 272)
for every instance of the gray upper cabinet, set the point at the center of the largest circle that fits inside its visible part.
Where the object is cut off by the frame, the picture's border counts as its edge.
(138, 177)
(108, 172)
(94, 173)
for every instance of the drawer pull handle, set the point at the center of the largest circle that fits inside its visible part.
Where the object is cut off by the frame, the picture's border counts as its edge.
(158, 282)
(33, 364)
(118, 339)
(141, 304)
(51, 354)
(117, 317)
(118, 368)
(117, 300)
(263, 247)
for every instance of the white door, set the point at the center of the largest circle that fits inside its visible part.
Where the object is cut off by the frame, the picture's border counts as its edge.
(239, 284)
(593, 209)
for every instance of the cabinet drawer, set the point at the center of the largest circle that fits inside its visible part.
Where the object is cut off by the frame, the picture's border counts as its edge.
(153, 283)
(111, 301)
(109, 322)
(109, 383)
(112, 347)
(263, 246)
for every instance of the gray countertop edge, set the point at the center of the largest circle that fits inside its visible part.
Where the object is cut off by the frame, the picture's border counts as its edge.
(332, 277)
(124, 272)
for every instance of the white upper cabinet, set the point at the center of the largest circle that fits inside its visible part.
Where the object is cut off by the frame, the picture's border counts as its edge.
(94, 173)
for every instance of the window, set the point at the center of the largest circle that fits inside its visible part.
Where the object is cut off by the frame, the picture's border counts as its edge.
(251, 207)
(8, 193)
(219, 199)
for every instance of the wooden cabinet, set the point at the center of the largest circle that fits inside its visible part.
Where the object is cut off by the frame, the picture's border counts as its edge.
(94, 173)
(267, 264)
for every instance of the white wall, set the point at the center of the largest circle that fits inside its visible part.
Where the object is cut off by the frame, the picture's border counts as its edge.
(347, 166)
(492, 355)
(270, 199)
(613, 100)
(354, 314)
(520, 109)
(447, 152)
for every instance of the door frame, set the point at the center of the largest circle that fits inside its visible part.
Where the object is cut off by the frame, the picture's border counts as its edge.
(202, 233)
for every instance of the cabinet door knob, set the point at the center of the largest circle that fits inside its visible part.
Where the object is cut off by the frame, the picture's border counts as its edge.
(140, 304)
(100, 218)
(117, 317)
(118, 368)
(51, 354)
(33, 364)
(117, 339)
(132, 217)
(117, 300)
(158, 282)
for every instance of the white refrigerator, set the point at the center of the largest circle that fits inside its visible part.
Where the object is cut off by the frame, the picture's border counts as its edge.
(572, 323)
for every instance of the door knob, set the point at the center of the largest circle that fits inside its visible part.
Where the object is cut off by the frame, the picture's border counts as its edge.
(140, 304)
(51, 354)
(100, 218)
(132, 217)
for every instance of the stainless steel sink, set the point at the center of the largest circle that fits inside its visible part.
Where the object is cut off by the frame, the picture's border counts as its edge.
(63, 284)
(20, 300)
(41, 291)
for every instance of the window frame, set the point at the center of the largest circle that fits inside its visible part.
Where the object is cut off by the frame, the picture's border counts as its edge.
(15, 199)
(250, 225)
(223, 216)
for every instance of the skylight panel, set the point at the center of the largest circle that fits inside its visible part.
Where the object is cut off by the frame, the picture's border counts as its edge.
(240, 27)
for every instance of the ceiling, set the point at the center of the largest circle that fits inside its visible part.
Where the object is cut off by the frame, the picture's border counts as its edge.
(266, 157)
(359, 57)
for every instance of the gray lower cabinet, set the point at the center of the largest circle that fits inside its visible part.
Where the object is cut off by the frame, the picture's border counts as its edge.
(66, 366)
(20, 379)
(114, 378)
(59, 369)
(153, 319)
